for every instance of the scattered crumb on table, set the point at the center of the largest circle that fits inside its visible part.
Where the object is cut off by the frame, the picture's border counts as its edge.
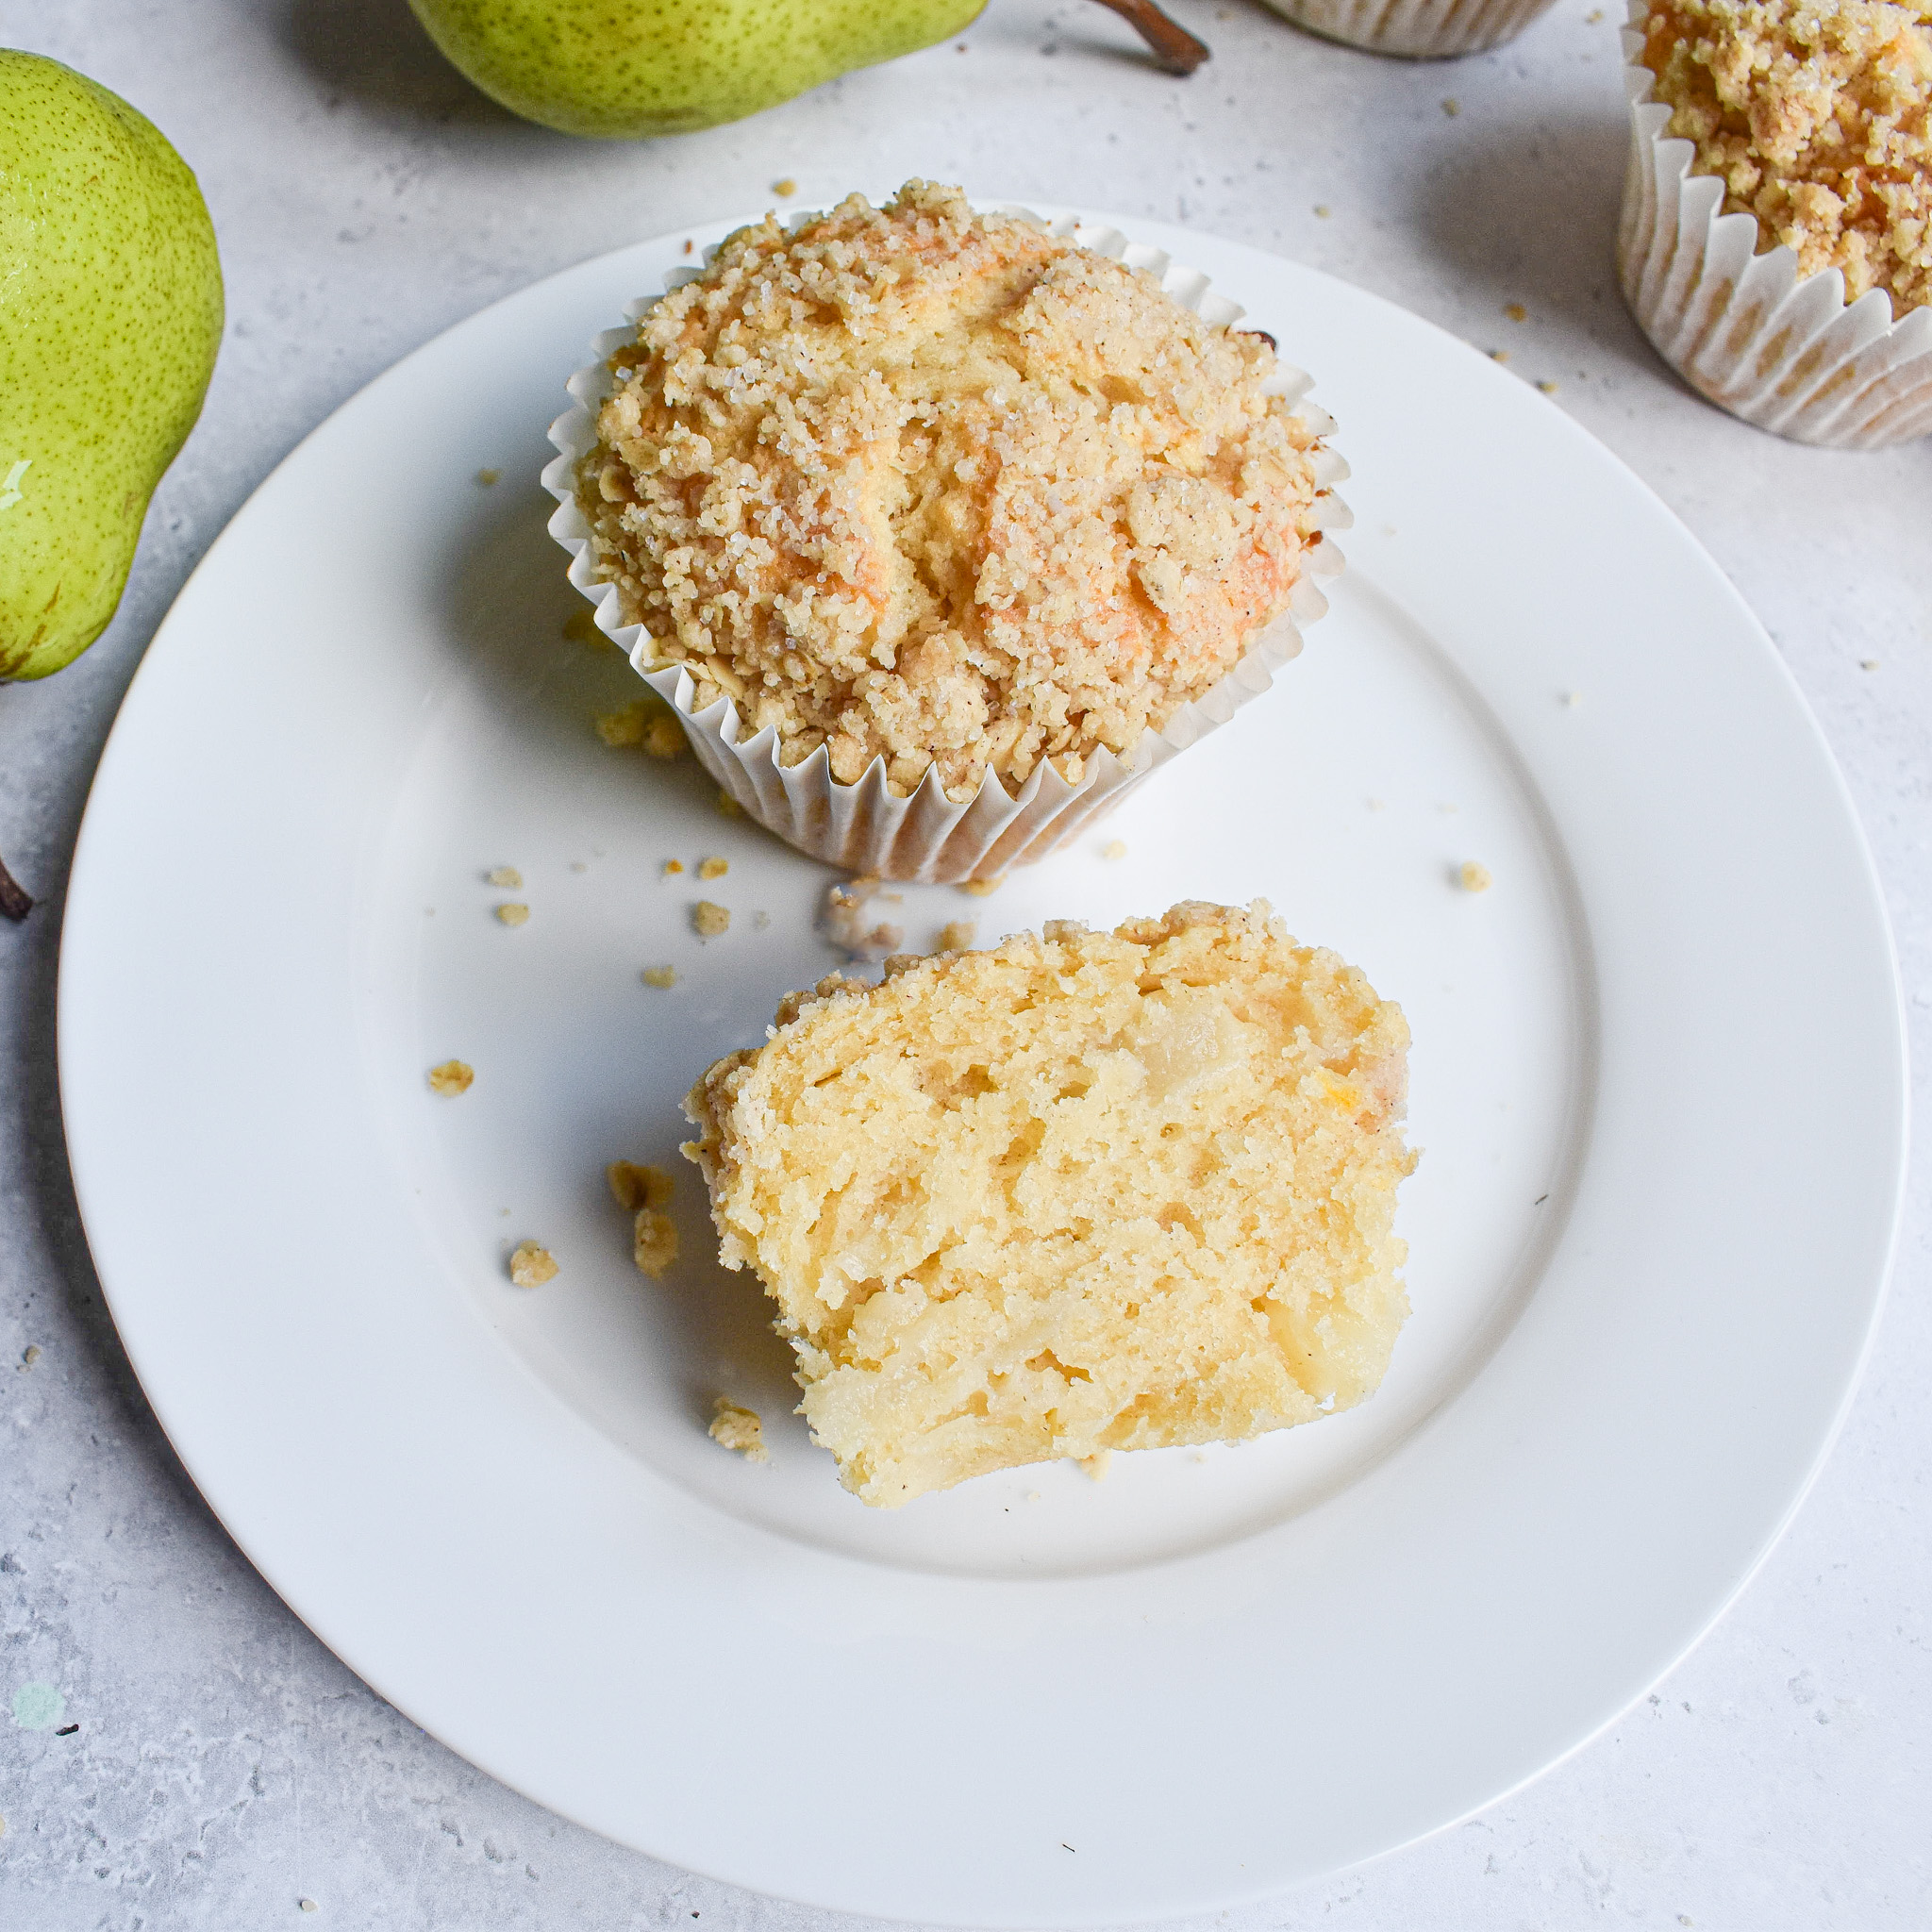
(1097, 1465)
(1499, 354)
(505, 875)
(714, 868)
(786, 189)
(29, 1354)
(957, 936)
(672, 867)
(452, 1077)
(736, 1427)
(531, 1266)
(660, 976)
(487, 477)
(513, 913)
(1476, 877)
(709, 919)
(980, 888)
(1323, 210)
(1516, 311)
(634, 1184)
(653, 1243)
(1115, 849)
(1452, 106)
(1549, 389)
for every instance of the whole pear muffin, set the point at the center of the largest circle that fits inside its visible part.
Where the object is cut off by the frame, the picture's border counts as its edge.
(937, 489)
(1817, 115)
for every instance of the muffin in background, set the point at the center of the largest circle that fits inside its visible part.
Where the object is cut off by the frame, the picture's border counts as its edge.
(1776, 243)
(1818, 120)
(945, 503)
(1416, 29)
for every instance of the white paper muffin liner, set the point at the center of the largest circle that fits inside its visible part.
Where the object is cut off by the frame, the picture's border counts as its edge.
(862, 827)
(1419, 29)
(1781, 350)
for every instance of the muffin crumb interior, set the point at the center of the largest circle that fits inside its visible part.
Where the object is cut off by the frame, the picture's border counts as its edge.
(1079, 1192)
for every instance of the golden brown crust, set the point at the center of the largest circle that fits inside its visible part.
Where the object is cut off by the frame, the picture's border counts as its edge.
(1817, 115)
(934, 487)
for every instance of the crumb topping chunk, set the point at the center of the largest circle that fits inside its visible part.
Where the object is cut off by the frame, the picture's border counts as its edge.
(932, 487)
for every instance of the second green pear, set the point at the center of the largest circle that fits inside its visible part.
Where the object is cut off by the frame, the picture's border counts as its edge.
(627, 68)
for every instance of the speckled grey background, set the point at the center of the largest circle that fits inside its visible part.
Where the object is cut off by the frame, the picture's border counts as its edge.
(222, 1767)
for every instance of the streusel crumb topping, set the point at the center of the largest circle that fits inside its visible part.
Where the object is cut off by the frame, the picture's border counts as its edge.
(1817, 115)
(918, 483)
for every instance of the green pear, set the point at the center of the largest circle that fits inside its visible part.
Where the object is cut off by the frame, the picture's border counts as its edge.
(111, 313)
(627, 68)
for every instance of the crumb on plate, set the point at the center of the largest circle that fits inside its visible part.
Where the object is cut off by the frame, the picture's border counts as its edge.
(653, 1243)
(734, 1426)
(452, 1077)
(844, 921)
(634, 1184)
(531, 1266)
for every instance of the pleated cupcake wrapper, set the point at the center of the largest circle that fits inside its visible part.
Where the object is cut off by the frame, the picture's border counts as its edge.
(862, 827)
(1781, 350)
(1419, 29)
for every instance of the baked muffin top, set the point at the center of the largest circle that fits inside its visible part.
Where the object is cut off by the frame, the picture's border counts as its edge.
(924, 485)
(1817, 115)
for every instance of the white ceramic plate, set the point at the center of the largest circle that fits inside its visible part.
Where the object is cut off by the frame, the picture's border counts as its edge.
(1657, 1079)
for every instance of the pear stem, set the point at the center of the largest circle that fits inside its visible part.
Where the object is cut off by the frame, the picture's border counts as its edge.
(1173, 46)
(15, 901)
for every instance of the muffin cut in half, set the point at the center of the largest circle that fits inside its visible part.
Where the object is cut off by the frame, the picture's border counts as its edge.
(946, 492)
(1094, 1190)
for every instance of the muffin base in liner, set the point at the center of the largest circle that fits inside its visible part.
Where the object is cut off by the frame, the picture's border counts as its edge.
(1415, 29)
(1781, 350)
(864, 828)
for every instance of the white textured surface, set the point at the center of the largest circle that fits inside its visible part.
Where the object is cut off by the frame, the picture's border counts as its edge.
(224, 1766)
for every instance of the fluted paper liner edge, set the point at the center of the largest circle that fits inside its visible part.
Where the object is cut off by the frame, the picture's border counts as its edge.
(1781, 350)
(1417, 29)
(863, 827)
